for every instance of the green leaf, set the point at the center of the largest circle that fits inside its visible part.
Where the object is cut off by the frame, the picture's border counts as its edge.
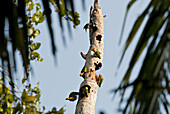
(30, 31)
(18, 108)
(52, 1)
(43, 108)
(153, 26)
(124, 21)
(38, 17)
(135, 28)
(38, 94)
(23, 80)
(30, 6)
(36, 32)
(62, 8)
(29, 99)
(10, 98)
(75, 20)
(34, 55)
(130, 4)
(61, 111)
(35, 46)
(47, 12)
(54, 109)
(38, 6)
(37, 84)
(40, 59)
(24, 95)
(138, 87)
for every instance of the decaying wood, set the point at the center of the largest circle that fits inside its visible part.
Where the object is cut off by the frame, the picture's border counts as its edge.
(86, 105)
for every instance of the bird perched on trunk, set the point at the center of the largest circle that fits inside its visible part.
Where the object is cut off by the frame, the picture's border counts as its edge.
(100, 80)
(97, 53)
(84, 91)
(87, 26)
(72, 96)
(83, 71)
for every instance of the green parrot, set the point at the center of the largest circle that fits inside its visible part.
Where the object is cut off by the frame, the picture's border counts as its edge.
(87, 26)
(84, 91)
(72, 96)
(100, 80)
(83, 55)
(97, 53)
(83, 71)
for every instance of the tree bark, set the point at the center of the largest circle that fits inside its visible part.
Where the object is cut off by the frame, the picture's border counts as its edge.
(86, 105)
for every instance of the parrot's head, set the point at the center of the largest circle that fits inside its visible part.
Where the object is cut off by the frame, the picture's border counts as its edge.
(94, 49)
(100, 76)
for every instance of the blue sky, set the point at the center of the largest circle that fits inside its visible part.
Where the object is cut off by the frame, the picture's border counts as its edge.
(58, 80)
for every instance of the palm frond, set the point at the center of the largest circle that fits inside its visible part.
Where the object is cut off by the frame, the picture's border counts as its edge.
(148, 86)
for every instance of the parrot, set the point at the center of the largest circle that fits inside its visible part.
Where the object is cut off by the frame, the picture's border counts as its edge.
(87, 26)
(83, 55)
(83, 71)
(84, 91)
(72, 96)
(104, 16)
(97, 78)
(100, 80)
(97, 53)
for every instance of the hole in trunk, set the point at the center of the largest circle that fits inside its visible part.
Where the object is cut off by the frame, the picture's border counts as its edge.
(98, 66)
(99, 37)
(95, 28)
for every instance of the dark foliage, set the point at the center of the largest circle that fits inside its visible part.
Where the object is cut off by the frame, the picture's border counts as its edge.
(13, 17)
(151, 87)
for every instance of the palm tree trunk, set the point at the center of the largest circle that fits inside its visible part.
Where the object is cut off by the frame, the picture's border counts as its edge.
(86, 105)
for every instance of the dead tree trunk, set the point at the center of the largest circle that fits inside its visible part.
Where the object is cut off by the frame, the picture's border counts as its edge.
(94, 57)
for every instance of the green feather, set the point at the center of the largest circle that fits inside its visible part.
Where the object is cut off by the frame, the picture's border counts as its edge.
(86, 91)
(101, 81)
(84, 69)
(98, 54)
